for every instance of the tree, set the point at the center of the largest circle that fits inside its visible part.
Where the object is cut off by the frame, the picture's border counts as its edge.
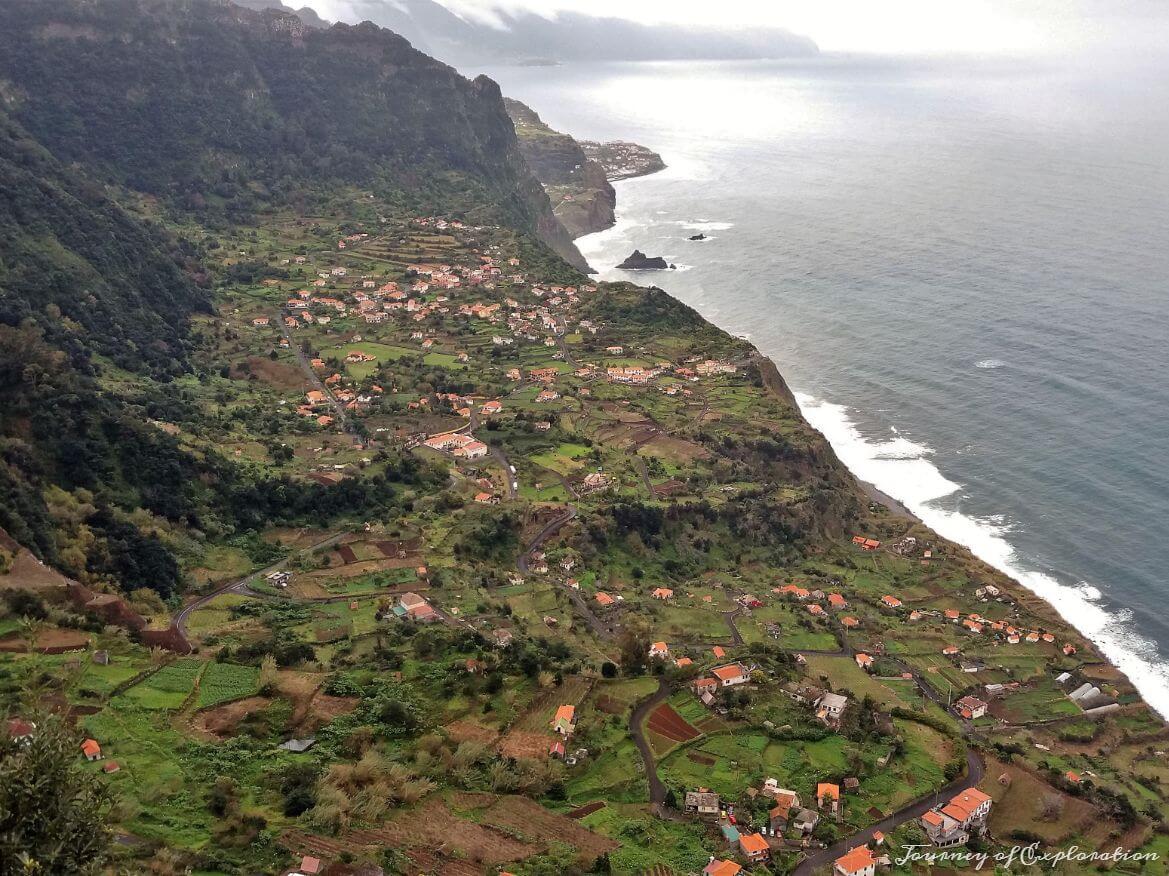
(53, 812)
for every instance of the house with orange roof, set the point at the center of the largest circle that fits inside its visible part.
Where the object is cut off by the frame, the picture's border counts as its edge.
(858, 861)
(603, 599)
(952, 823)
(780, 813)
(836, 601)
(864, 661)
(915, 615)
(1033, 637)
(718, 651)
(659, 649)
(828, 795)
(891, 601)
(731, 674)
(951, 614)
(951, 650)
(91, 750)
(564, 722)
(849, 621)
(683, 661)
(754, 847)
(722, 868)
(970, 707)
(705, 686)
(662, 593)
(973, 626)
(796, 591)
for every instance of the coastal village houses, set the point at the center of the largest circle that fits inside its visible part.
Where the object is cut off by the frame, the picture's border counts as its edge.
(953, 823)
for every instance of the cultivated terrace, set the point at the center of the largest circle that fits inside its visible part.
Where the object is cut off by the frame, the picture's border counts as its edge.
(346, 528)
(622, 575)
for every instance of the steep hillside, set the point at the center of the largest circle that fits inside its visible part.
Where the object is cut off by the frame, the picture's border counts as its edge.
(577, 176)
(91, 276)
(223, 111)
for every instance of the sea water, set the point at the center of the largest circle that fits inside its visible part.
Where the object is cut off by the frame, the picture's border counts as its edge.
(961, 267)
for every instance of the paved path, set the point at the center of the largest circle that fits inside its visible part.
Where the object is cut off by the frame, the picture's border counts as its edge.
(824, 858)
(509, 477)
(313, 378)
(550, 528)
(179, 621)
(657, 790)
(729, 617)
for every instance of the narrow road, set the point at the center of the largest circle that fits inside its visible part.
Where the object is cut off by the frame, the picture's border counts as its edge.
(313, 378)
(550, 528)
(824, 858)
(179, 621)
(564, 350)
(729, 617)
(509, 478)
(657, 790)
(641, 466)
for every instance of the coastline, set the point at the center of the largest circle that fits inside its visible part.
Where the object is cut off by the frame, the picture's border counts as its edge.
(1042, 594)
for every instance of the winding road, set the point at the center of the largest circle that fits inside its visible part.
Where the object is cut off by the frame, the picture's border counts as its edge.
(975, 770)
(657, 790)
(179, 621)
(550, 528)
(313, 378)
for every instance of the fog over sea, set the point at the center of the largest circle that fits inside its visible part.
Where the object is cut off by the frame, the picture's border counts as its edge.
(961, 267)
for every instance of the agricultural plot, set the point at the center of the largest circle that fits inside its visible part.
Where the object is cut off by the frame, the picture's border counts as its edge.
(101, 680)
(683, 622)
(619, 696)
(531, 735)
(665, 721)
(168, 688)
(223, 682)
(1042, 701)
(843, 673)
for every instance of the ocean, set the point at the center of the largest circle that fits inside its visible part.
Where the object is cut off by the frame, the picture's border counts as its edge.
(961, 267)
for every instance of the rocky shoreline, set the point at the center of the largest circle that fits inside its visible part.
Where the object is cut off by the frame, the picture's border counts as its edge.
(578, 175)
(1044, 609)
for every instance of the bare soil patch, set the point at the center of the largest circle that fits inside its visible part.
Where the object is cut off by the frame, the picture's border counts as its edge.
(524, 743)
(665, 721)
(528, 819)
(469, 731)
(281, 375)
(223, 721)
(587, 809)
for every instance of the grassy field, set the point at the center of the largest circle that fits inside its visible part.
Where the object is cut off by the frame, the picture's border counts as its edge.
(844, 674)
(223, 682)
(168, 688)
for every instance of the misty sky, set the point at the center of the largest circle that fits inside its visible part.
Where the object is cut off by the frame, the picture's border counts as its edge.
(880, 26)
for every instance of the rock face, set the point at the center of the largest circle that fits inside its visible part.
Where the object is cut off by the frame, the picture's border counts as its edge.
(578, 176)
(294, 109)
(639, 261)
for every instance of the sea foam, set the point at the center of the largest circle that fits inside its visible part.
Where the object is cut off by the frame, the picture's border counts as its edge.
(901, 468)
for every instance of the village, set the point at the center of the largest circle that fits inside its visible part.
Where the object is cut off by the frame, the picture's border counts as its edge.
(590, 608)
